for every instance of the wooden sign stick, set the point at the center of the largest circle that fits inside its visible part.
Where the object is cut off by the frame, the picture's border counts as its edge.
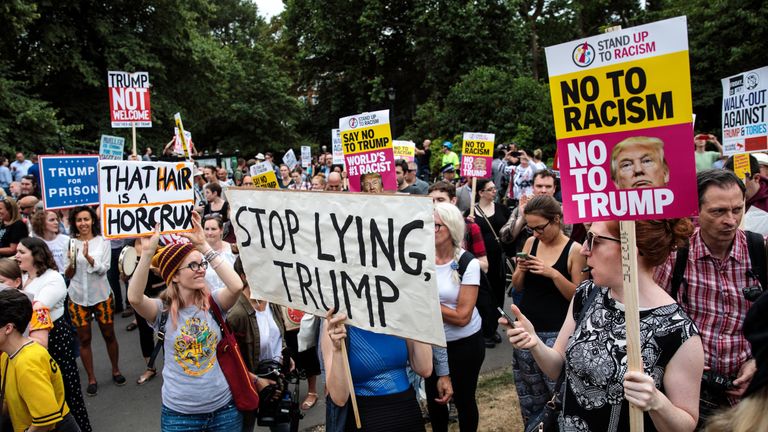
(133, 133)
(472, 198)
(351, 386)
(631, 312)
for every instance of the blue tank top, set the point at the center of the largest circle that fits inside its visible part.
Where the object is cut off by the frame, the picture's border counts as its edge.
(377, 362)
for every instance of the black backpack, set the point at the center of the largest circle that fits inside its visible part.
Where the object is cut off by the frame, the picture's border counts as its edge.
(757, 258)
(484, 303)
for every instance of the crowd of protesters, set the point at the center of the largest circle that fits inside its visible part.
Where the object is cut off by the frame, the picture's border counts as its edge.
(703, 314)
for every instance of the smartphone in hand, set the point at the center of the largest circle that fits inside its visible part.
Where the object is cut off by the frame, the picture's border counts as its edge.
(510, 318)
(523, 256)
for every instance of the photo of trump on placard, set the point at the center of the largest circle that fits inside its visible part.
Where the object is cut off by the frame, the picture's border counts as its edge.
(638, 162)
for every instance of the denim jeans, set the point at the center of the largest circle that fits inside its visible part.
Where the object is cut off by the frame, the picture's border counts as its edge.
(224, 419)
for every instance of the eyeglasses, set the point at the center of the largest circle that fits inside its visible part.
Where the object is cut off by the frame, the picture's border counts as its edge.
(493, 189)
(591, 237)
(540, 229)
(438, 227)
(196, 266)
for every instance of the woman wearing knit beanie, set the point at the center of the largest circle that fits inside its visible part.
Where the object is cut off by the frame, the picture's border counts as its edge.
(195, 393)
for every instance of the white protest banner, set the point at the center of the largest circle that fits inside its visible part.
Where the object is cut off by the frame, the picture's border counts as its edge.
(112, 147)
(745, 128)
(289, 158)
(136, 196)
(263, 176)
(306, 156)
(404, 150)
(369, 256)
(338, 150)
(129, 99)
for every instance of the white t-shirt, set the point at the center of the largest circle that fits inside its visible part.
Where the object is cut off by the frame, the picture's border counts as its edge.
(59, 248)
(449, 295)
(49, 289)
(270, 341)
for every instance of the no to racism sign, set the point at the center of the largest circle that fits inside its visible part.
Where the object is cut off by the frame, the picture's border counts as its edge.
(621, 117)
(369, 256)
(136, 196)
(367, 143)
(69, 181)
(129, 99)
(745, 126)
(405, 150)
(477, 154)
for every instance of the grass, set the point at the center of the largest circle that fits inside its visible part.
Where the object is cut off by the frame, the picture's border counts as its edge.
(497, 401)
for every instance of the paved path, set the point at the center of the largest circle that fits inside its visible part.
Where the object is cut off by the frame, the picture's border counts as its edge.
(134, 408)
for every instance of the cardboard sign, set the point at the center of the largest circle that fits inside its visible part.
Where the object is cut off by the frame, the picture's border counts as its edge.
(745, 126)
(369, 256)
(338, 150)
(404, 150)
(136, 196)
(306, 156)
(69, 181)
(623, 124)
(477, 154)
(289, 158)
(129, 99)
(263, 176)
(178, 144)
(112, 147)
(741, 166)
(367, 143)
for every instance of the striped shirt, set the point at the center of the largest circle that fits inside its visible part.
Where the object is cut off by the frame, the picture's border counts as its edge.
(714, 300)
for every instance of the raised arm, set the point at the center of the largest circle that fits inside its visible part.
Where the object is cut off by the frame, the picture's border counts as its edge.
(142, 304)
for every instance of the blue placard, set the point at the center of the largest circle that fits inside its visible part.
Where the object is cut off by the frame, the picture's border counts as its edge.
(69, 181)
(111, 147)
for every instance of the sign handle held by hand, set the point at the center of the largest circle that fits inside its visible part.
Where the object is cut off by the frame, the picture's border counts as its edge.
(631, 312)
(472, 198)
(351, 385)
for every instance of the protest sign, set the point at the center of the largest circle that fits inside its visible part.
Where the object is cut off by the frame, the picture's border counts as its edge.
(129, 99)
(369, 256)
(405, 150)
(744, 118)
(69, 181)
(263, 176)
(136, 196)
(367, 143)
(338, 150)
(741, 166)
(620, 116)
(112, 147)
(306, 156)
(477, 154)
(289, 158)
(178, 145)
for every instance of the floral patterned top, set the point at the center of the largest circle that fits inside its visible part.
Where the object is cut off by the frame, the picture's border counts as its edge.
(596, 359)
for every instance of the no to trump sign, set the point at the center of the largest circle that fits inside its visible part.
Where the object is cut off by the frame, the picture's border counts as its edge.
(367, 143)
(369, 256)
(129, 99)
(263, 176)
(477, 154)
(69, 181)
(621, 117)
(745, 127)
(136, 196)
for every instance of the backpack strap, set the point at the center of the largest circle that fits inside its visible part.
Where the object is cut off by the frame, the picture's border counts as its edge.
(160, 339)
(757, 258)
(464, 261)
(678, 274)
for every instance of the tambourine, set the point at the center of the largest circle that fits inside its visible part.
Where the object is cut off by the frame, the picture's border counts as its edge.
(128, 261)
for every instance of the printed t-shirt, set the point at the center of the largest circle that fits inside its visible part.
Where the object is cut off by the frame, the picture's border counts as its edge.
(193, 382)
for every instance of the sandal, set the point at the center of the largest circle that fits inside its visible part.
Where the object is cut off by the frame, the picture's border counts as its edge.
(309, 401)
(147, 376)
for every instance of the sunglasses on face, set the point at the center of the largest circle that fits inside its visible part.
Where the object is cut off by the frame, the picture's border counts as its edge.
(591, 237)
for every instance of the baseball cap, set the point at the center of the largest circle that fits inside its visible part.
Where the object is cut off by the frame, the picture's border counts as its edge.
(448, 144)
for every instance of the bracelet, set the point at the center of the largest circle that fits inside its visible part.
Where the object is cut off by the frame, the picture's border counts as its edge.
(210, 255)
(218, 264)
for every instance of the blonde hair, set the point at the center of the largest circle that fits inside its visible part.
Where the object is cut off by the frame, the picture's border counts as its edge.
(748, 415)
(171, 297)
(454, 223)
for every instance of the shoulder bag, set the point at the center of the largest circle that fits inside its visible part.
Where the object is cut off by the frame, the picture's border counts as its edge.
(231, 361)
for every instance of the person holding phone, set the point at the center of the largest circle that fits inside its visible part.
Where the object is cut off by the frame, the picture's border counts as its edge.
(593, 354)
(548, 270)
(705, 159)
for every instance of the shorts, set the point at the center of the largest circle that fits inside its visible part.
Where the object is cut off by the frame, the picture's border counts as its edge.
(82, 315)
